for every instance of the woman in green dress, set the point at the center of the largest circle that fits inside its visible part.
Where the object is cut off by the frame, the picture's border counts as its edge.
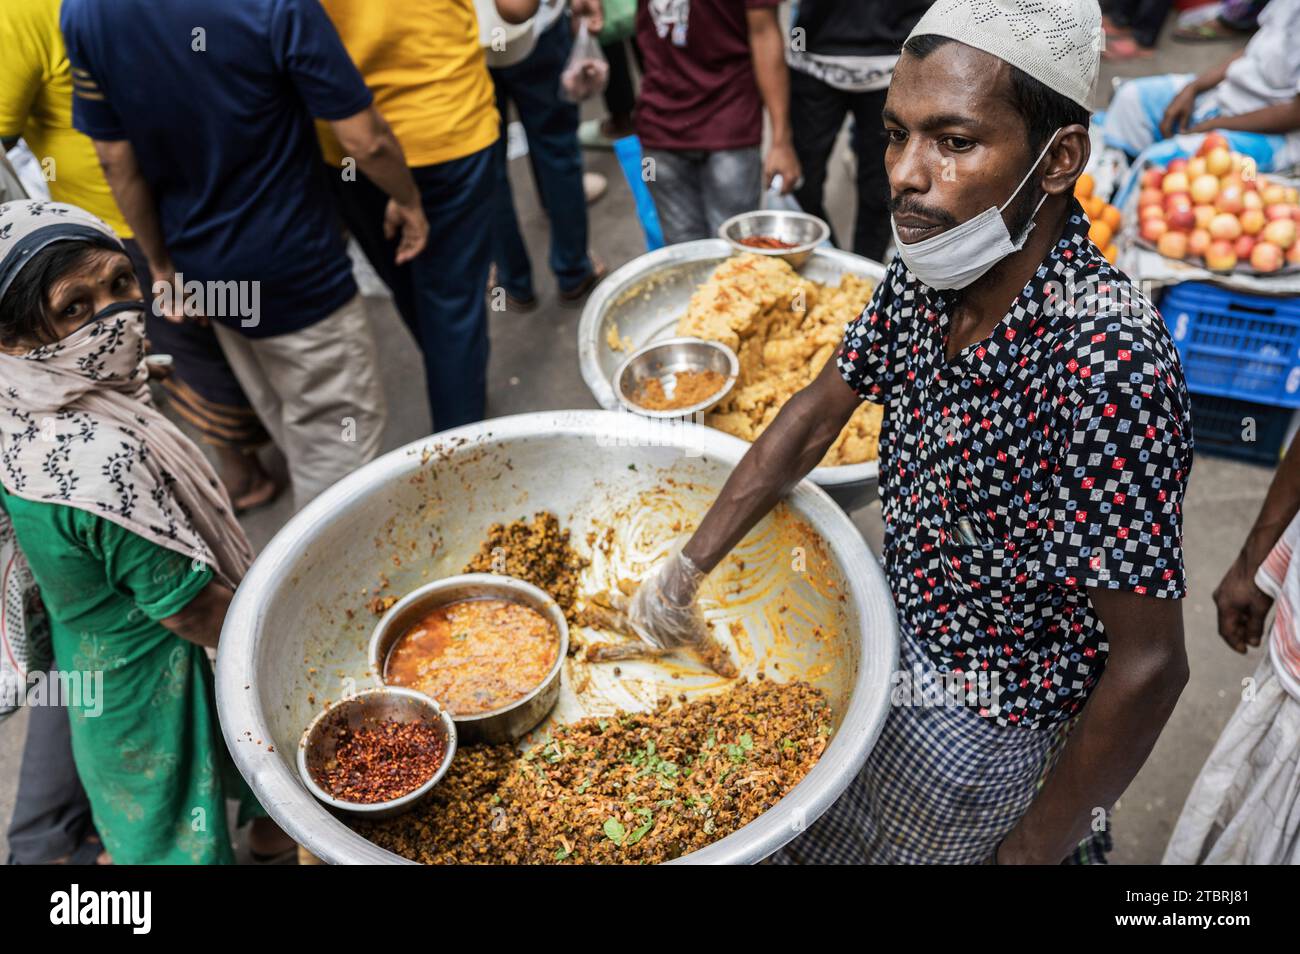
(129, 535)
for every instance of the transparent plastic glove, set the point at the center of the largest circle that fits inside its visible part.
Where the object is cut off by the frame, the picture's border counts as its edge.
(664, 611)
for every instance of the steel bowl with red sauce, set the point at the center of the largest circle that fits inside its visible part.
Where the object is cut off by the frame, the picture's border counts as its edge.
(765, 241)
(489, 648)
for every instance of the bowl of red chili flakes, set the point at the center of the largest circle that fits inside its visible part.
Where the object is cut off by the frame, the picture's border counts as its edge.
(377, 753)
(781, 233)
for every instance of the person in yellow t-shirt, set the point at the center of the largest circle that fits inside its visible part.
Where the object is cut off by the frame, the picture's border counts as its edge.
(36, 106)
(423, 62)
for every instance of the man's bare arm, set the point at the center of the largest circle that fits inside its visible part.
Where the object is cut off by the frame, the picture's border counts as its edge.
(1178, 114)
(367, 138)
(137, 203)
(1145, 673)
(200, 621)
(793, 444)
(767, 51)
(1243, 607)
(516, 11)
(1279, 119)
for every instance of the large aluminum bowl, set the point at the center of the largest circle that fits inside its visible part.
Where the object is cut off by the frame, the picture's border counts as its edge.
(646, 297)
(297, 633)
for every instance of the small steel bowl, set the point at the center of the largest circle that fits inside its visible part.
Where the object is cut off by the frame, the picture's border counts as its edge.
(661, 359)
(370, 706)
(805, 231)
(509, 722)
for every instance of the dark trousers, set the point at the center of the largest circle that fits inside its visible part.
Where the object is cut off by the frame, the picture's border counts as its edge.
(551, 126)
(817, 112)
(51, 816)
(1143, 17)
(620, 93)
(441, 295)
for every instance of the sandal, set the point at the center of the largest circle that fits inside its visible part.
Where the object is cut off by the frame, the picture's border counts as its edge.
(1208, 32)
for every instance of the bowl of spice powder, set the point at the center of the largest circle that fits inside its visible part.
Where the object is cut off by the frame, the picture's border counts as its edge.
(377, 753)
(676, 377)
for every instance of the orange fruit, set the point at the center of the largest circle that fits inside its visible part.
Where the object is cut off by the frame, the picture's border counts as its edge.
(1111, 253)
(1101, 234)
(1111, 216)
(1083, 186)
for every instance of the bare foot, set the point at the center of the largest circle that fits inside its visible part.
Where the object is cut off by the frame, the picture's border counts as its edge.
(267, 841)
(1126, 48)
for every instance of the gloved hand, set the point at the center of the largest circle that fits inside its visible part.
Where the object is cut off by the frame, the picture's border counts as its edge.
(664, 611)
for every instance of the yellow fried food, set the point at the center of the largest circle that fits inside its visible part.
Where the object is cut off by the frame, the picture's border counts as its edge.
(783, 328)
(615, 341)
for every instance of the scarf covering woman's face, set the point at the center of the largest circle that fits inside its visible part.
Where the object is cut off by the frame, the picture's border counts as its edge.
(74, 288)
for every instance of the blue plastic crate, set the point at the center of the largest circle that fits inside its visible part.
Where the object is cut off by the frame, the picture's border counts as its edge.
(1225, 426)
(1236, 345)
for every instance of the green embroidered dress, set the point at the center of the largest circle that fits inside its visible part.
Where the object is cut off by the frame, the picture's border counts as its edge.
(152, 761)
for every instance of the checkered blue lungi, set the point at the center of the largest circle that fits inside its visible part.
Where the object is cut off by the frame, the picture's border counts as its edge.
(942, 786)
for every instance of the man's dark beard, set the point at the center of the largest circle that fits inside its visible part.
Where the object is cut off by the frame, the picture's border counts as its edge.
(1022, 208)
(1017, 217)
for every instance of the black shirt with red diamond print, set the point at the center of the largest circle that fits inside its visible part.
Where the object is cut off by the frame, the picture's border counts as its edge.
(1049, 458)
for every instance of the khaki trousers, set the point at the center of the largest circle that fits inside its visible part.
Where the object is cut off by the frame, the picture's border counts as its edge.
(318, 394)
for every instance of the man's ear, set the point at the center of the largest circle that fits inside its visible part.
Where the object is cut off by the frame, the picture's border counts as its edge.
(1067, 160)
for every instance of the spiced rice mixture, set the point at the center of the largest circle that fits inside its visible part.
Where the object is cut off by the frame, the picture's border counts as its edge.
(633, 788)
(538, 553)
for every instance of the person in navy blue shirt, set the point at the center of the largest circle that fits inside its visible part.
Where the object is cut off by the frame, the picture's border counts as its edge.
(201, 112)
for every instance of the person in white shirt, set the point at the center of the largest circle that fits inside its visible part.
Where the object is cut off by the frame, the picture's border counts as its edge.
(1253, 96)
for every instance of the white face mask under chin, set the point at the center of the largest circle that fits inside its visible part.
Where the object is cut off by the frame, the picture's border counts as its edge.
(957, 257)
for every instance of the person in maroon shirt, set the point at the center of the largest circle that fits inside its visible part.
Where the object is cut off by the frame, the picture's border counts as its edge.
(710, 67)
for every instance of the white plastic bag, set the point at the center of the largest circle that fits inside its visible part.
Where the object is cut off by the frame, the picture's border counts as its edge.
(24, 627)
(587, 71)
(774, 201)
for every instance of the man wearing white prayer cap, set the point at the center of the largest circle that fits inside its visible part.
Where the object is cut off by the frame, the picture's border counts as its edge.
(1034, 453)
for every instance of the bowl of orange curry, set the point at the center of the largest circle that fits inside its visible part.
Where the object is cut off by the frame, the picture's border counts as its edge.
(490, 649)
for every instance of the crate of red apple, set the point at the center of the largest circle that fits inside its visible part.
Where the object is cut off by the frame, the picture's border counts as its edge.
(1215, 210)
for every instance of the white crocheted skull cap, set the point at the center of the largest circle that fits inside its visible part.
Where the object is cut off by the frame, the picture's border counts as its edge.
(1057, 42)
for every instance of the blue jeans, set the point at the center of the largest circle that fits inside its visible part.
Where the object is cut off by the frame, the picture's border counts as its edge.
(551, 126)
(696, 191)
(441, 295)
